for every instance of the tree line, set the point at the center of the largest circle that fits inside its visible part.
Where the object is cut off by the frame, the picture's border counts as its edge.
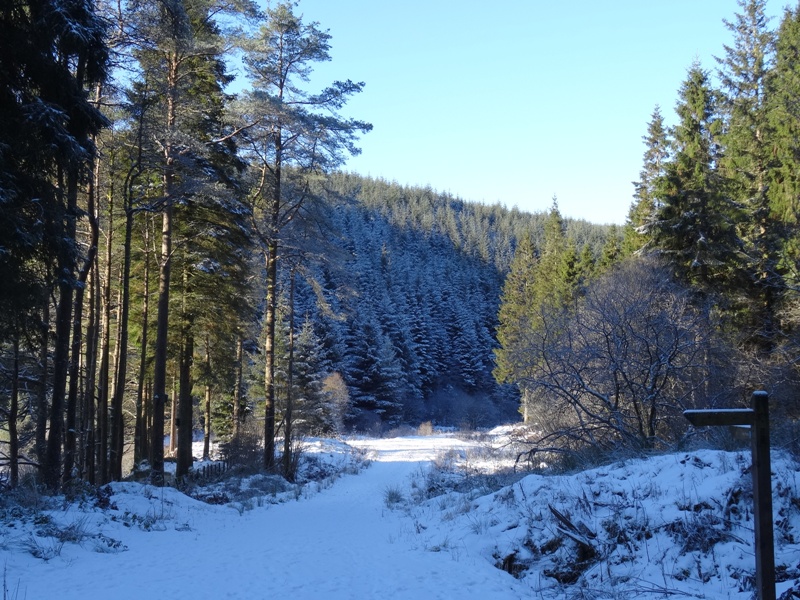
(178, 257)
(136, 193)
(700, 305)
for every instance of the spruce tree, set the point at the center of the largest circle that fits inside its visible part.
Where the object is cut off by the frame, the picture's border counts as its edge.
(516, 312)
(784, 114)
(694, 225)
(636, 233)
(746, 166)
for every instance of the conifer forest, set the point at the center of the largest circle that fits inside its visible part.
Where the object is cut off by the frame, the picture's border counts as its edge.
(185, 256)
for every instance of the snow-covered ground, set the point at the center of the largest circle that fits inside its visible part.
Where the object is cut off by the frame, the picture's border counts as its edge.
(423, 521)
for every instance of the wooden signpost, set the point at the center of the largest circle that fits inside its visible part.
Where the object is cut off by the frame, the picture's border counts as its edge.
(757, 417)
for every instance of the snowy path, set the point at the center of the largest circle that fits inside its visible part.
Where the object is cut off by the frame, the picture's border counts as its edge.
(341, 543)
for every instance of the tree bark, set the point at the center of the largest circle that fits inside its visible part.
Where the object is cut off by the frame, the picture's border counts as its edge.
(288, 471)
(116, 421)
(185, 404)
(89, 408)
(271, 307)
(173, 419)
(70, 437)
(207, 415)
(162, 323)
(269, 355)
(140, 445)
(66, 269)
(238, 409)
(105, 354)
(13, 415)
(41, 404)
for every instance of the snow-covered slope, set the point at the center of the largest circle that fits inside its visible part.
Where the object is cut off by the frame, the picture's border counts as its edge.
(419, 523)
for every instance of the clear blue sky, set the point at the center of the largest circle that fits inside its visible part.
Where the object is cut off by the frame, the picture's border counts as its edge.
(517, 100)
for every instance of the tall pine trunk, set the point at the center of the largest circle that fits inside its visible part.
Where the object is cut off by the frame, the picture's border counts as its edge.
(269, 355)
(41, 392)
(89, 411)
(288, 470)
(13, 415)
(238, 409)
(184, 422)
(116, 421)
(71, 437)
(140, 445)
(66, 270)
(103, 378)
(162, 323)
(207, 407)
(271, 310)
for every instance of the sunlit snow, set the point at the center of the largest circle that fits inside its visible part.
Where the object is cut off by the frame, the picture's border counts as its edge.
(673, 525)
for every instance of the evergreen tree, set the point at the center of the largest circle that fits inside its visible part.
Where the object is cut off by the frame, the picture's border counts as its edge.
(556, 275)
(612, 251)
(180, 55)
(636, 233)
(784, 114)
(50, 52)
(784, 183)
(314, 416)
(747, 162)
(516, 312)
(695, 221)
(291, 136)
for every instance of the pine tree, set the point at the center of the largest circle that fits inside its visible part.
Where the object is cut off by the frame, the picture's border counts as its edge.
(784, 113)
(314, 416)
(291, 136)
(50, 53)
(556, 275)
(181, 59)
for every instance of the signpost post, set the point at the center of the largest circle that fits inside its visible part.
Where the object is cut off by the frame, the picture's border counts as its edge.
(757, 417)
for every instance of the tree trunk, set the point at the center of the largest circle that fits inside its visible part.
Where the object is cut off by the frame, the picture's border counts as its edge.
(288, 471)
(41, 396)
(238, 409)
(173, 420)
(66, 269)
(140, 444)
(70, 437)
(117, 422)
(269, 355)
(124, 318)
(105, 355)
(162, 323)
(13, 415)
(89, 413)
(207, 411)
(185, 404)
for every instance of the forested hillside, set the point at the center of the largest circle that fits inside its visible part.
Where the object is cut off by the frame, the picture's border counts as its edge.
(410, 288)
(183, 260)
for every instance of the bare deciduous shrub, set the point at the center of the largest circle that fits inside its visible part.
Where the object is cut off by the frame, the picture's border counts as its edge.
(617, 369)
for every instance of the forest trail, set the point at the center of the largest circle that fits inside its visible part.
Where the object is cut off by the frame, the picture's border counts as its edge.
(342, 542)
